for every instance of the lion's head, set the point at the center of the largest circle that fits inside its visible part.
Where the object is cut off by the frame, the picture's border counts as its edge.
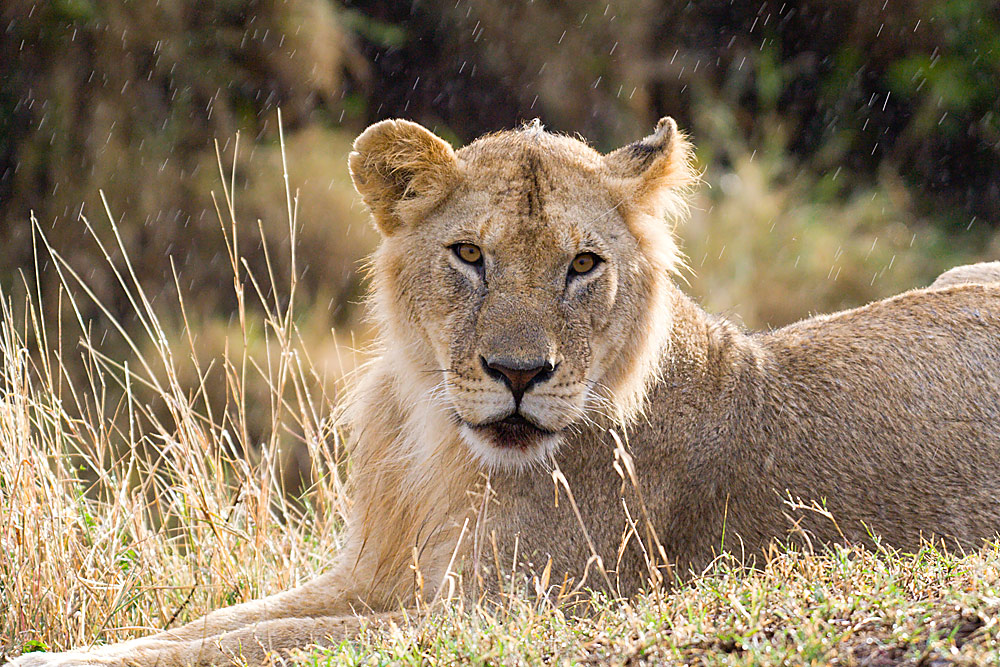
(524, 276)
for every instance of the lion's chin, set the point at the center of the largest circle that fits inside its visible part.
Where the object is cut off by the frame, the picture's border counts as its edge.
(509, 445)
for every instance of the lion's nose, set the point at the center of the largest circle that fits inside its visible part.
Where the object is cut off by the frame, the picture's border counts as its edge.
(518, 374)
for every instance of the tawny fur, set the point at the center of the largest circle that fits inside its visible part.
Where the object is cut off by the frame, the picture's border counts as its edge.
(672, 433)
(982, 273)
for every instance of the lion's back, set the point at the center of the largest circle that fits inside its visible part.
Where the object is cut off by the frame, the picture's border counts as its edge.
(981, 273)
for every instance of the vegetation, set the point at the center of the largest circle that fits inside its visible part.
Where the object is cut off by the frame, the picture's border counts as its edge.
(120, 515)
(846, 607)
(170, 385)
(849, 153)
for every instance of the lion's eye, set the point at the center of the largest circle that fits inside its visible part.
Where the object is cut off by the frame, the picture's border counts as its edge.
(583, 263)
(468, 253)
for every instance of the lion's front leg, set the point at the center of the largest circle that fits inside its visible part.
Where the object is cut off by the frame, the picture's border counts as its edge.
(254, 645)
(301, 614)
(258, 644)
(328, 595)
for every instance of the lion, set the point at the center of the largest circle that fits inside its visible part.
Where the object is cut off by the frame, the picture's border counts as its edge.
(550, 411)
(982, 273)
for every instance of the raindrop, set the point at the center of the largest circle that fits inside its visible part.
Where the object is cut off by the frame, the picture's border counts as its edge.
(873, 248)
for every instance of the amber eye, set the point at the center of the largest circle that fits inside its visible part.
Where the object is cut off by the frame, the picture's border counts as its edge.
(468, 253)
(584, 263)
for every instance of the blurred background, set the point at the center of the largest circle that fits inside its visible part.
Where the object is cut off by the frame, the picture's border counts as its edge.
(850, 150)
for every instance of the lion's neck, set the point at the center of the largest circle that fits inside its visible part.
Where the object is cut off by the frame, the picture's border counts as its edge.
(711, 373)
(411, 477)
(704, 344)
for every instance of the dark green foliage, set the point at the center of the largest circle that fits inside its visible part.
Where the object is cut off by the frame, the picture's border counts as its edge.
(912, 87)
(128, 97)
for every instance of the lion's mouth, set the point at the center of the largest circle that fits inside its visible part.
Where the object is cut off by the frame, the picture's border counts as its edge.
(512, 432)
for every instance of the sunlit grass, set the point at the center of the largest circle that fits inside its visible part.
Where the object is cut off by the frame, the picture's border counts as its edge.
(847, 606)
(129, 500)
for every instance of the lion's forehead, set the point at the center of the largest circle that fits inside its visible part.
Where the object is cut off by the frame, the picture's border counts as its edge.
(551, 150)
(532, 204)
(521, 212)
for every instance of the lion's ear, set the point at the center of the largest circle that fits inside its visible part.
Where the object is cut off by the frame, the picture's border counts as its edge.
(654, 173)
(401, 170)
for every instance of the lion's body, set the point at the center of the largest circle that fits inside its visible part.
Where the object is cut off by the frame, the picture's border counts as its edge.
(982, 273)
(854, 409)
(546, 394)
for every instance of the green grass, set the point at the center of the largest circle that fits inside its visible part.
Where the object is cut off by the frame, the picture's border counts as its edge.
(846, 606)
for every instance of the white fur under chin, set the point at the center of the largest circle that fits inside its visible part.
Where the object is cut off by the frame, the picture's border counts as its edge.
(491, 457)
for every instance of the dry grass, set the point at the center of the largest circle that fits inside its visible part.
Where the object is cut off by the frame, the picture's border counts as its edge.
(139, 497)
(770, 243)
(130, 501)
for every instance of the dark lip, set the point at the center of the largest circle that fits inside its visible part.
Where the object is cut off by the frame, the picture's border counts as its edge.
(512, 432)
(516, 419)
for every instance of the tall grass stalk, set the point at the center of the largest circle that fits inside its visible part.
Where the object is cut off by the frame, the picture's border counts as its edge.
(129, 502)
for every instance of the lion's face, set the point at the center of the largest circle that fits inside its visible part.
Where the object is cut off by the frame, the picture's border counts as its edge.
(522, 280)
(524, 285)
